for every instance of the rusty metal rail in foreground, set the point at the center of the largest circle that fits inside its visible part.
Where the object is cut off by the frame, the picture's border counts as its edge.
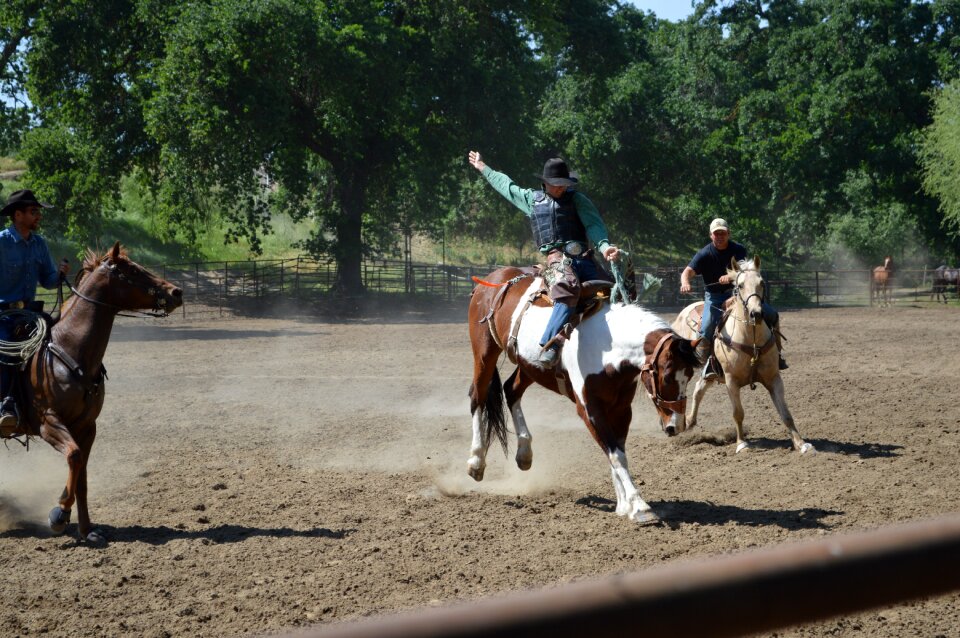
(727, 596)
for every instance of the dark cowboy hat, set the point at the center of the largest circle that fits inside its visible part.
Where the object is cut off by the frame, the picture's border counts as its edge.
(556, 173)
(19, 200)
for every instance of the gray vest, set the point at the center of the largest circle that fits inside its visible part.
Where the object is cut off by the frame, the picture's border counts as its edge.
(556, 221)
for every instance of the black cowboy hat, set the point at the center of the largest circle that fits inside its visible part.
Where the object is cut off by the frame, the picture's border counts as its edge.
(19, 200)
(556, 173)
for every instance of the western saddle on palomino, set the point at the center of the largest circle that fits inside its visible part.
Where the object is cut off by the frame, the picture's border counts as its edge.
(712, 367)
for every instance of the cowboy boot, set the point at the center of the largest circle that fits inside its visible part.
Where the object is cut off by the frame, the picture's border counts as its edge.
(703, 351)
(549, 356)
(8, 417)
(779, 336)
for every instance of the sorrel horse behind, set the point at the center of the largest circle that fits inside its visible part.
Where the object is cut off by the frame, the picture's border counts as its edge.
(598, 371)
(63, 386)
(881, 283)
(746, 349)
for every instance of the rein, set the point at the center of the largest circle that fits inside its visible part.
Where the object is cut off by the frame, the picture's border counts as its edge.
(752, 350)
(679, 405)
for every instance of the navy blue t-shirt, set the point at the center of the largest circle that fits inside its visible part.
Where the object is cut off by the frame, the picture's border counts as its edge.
(712, 263)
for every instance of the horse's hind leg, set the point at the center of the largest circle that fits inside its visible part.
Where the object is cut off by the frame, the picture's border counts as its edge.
(778, 395)
(486, 402)
(513, 390)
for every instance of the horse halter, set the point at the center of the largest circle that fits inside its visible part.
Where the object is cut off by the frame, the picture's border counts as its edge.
(651, 368)
(736, 290)
(158, 301)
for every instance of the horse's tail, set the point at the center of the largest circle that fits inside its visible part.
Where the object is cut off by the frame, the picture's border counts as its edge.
(492, 417)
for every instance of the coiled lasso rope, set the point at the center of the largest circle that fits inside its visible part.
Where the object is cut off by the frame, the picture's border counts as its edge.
(16, 352)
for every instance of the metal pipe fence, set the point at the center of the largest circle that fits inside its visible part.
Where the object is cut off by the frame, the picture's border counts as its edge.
(214, 287)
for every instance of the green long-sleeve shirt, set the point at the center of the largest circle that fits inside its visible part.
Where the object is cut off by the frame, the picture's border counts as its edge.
(523, 198)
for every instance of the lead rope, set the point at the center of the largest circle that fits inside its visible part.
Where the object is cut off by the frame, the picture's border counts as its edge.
(619, 293)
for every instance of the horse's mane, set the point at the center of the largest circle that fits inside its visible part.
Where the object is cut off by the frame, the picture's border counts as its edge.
(745, 265)
(91, 260)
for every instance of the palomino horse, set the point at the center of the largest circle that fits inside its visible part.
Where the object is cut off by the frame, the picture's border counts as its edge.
(945, 279)
(746, 349)
(881, 283)
(62, 389)
(598, 371)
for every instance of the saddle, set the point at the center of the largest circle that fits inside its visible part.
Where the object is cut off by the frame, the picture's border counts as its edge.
(593, 294)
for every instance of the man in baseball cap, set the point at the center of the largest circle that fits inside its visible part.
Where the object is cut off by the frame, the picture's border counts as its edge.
(711, 263)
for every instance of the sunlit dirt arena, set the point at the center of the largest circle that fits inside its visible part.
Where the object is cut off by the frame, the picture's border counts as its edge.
(254, 475)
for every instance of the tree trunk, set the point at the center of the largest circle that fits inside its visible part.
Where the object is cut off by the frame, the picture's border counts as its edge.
(349, 247)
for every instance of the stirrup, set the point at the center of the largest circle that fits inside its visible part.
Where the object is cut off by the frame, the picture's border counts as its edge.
(549, 356)
(8, 424)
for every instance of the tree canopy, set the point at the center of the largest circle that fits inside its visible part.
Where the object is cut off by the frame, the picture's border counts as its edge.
(818, 127)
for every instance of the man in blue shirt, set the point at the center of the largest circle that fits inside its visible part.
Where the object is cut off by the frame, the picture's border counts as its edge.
(711, 262)
(24, 262)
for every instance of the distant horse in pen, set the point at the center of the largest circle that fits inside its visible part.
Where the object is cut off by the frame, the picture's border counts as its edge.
(61, 389)
(598, 371)
(881, 283)
(945, 279)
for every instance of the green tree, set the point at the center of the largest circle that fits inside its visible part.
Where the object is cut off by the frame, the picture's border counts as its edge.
(355, 109)
(940, 155)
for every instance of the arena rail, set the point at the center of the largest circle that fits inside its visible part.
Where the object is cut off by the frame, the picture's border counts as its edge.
(754, 591)
(215, 288)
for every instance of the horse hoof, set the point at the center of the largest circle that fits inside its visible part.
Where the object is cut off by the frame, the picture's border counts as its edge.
(807, 447)
(524, 463)
(741, 446)
(59, 519)
(475, 472)
(96, 537)
(646, 517)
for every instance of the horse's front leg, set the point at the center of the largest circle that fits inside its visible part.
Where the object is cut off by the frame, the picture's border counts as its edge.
(629, 501)
(58, 435)
(778, 395)
(733, 391)
(609, 424)
(698, 391)
(85, 441)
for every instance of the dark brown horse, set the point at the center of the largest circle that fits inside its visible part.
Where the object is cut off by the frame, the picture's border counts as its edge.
(598, 371)
(945, 279)
(63, 386)
(881, 283)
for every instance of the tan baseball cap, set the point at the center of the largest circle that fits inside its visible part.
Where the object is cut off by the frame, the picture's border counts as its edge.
(719, 224)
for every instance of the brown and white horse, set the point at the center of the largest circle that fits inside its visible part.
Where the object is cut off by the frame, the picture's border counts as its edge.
(598, 371)
(746, 349)
(881, 283)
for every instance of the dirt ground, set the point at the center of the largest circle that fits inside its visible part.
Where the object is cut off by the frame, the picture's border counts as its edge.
(255, 475)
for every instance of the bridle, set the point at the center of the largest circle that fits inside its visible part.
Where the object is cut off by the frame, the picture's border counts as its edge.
(743, 302)
(159, 301)
(650, 367)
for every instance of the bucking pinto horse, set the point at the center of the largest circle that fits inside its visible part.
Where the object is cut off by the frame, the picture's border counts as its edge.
(599, 368)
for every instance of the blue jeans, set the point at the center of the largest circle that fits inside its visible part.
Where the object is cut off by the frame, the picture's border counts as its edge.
(714, 302)
(567, 290)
